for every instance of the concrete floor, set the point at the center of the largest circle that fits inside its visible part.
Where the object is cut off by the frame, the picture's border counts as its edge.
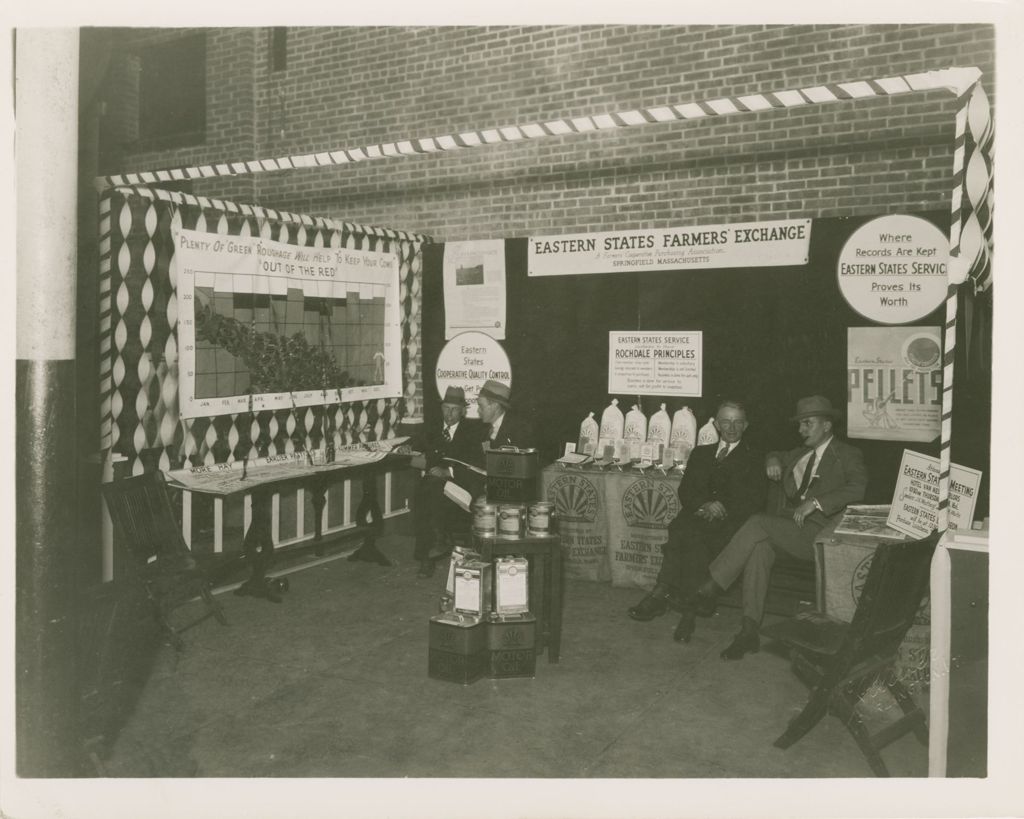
(333, 683)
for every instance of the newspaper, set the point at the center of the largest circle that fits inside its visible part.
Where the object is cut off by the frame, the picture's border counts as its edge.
(243, 476)
(868, 520)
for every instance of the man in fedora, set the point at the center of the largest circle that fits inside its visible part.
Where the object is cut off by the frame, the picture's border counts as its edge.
(818, 480)
(456, 437)
(502, 427)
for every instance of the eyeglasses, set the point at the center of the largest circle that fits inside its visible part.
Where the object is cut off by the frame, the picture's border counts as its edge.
(730, 424)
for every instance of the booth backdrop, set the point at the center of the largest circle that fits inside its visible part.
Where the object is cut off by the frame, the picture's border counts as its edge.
(770, 336)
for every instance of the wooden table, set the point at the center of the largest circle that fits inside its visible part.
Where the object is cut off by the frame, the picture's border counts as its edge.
(258, 543)
(544, 554)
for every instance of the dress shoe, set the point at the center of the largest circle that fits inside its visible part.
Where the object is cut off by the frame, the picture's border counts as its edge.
(426, 568)
(648, 608)
(684, 631)
(746, 642)
(704, 605)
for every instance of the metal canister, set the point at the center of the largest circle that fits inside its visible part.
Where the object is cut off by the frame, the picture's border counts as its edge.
(538, 519)
(510, 520)
(485, 518)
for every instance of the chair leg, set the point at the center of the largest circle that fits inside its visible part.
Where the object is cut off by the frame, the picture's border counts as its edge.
(802, 723)
(910, 708)
(855, 725)
(214, 606)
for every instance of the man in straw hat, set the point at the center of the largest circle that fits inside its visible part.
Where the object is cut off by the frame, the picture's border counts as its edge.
(456, 437)
(818, 480)
(502, 426)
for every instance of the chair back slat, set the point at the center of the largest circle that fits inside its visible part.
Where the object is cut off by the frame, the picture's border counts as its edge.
(140, 509)
(896, 584)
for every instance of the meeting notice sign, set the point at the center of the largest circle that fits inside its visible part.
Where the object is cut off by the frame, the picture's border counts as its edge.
(915, 503)
(746, 244)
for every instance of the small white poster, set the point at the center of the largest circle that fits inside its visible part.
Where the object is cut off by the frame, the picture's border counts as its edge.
(894, 383)
(666, 362)
(474, 288)
(893, 269)
(915, 502)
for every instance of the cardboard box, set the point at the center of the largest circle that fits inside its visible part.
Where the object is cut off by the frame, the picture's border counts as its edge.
(511, 647)
(457, 648)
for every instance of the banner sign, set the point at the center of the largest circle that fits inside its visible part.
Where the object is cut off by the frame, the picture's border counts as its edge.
(915, 501)
(474, 288)
(663, 363)
(746, 244)
(893, 269)
(894, 383)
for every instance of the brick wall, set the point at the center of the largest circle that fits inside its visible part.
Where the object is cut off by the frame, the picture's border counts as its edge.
(348, 87)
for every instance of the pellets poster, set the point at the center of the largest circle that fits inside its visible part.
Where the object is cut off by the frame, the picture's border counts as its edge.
(894, 383)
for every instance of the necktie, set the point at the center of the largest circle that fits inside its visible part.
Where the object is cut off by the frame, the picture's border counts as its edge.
(808, 472)
(722, 452)
(446, 434)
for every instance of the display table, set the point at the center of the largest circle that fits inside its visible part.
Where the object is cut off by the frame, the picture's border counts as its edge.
(958, 706)
(612, 522)
(267, 476)
(544, 554)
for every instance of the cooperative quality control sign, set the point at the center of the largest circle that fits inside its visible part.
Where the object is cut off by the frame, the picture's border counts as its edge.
(893, 269)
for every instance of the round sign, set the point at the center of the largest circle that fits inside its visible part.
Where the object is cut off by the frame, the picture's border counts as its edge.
(893, 269)
(467, 361)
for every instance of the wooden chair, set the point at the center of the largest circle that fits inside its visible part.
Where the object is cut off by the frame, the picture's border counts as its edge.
(841, 661)
(150, 537)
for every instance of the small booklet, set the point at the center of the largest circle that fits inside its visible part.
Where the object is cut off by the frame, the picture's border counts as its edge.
(459, 496)
(574, 459)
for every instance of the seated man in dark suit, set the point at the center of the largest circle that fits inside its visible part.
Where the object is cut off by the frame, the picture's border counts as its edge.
(819, 479)
(503, 427)
(722, 486)
(456, 437)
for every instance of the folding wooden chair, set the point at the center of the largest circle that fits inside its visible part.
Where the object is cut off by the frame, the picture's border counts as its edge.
(841, 661)
(150, 537)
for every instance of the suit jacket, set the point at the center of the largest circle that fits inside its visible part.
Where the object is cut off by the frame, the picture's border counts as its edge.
(840, 479)
(739, 482)
(464, 446)
(515, 430)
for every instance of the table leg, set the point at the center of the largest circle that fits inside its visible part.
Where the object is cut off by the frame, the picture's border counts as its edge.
(368, 514)
(318, 497)
(555, 614)
(258, 547)
(538, 602)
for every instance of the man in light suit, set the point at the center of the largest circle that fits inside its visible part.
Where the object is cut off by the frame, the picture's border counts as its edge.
(723, 485)
(456, 437)
(818, 479)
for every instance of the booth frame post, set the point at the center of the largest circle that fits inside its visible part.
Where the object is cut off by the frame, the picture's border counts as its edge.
(47, 537)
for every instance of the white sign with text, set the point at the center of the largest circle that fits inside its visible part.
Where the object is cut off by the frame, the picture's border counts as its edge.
(915, 502)
(893, 269)
(665, 362)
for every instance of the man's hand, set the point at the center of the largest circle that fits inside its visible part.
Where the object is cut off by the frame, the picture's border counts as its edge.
(712, 510)
(802, 511)
(440, 472)
(773, 466)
